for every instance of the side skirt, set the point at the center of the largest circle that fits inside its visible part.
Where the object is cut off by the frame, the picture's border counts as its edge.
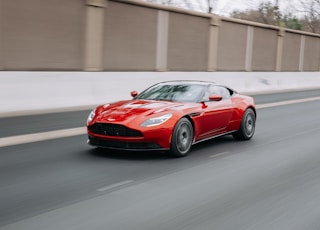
(209, 138)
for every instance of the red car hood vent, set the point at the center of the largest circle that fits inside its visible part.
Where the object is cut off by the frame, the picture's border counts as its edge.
(124, 111)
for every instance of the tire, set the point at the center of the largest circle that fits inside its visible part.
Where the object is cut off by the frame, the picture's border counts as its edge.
(247, 126)
(182, 138)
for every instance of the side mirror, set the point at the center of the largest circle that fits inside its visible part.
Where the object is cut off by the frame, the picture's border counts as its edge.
(215, 98)
(134, 93)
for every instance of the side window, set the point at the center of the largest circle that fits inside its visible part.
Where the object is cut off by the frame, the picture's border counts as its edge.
(219, 90)
(207, 93)
(231, 92)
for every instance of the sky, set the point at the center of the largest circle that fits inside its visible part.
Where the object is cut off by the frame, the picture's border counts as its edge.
(225, 7)
(294, 7)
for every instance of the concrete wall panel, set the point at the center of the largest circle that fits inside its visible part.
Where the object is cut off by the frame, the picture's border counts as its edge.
(37, 34)
(311, 59)
(188, 42)
(264, 49)
(291, 52)
(232, 46)
(130, 37)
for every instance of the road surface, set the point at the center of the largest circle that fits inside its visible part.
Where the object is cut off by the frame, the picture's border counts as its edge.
(269, 182)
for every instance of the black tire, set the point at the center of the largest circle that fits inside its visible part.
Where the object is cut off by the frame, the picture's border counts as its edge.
(247, 127)
(182, 138)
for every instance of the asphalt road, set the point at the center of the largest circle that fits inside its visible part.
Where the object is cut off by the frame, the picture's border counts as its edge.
(269, 182)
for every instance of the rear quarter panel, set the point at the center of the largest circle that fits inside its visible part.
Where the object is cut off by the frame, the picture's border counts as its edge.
(241, 103)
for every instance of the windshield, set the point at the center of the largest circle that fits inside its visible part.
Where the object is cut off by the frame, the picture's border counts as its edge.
(180, 92)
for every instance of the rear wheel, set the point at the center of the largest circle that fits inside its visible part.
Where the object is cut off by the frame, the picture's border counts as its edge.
(182, 138)
(247, 127)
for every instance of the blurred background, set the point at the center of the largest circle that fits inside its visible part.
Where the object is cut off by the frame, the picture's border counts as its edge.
(160, 35)
(60, 58)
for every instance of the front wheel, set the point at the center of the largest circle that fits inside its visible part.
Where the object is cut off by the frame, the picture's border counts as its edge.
(182, 138)
(247, 126)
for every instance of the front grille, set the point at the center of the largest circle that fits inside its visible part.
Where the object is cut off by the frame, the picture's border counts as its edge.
(114, 130)
(123, 144)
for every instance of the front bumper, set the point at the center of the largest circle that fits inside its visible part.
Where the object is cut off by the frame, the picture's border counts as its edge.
(118, 136)
(124, 145)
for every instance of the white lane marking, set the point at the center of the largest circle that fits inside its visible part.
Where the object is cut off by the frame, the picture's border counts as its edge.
(114, 185)
(28, 138)
(34, 137)
(218, 154)
(289, 102)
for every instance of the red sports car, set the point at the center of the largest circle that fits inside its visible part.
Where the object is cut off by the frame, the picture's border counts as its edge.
(173, 116)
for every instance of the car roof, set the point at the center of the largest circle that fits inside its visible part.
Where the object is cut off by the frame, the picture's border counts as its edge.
(196, 82)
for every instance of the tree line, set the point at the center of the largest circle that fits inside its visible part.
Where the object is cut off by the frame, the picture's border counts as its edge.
(303, 14)
(307, 18)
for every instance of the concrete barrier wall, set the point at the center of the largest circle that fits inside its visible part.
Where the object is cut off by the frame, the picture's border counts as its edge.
(37, 34)
(291, 52)
(232, 44)
(132, 35)
(188, 40)
(264, 49)
(311, 53)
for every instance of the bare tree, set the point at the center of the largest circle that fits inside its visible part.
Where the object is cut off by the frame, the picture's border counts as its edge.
(198, 5)
(267, 13)
(211, 5)
(311, 12)
(305, 16)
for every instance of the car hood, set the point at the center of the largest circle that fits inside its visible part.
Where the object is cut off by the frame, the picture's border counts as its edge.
(130, 110)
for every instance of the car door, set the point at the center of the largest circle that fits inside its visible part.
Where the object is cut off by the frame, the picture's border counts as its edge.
(216, 114)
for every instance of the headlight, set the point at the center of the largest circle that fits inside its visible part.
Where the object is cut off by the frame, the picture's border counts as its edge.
(91, 116)
(156, 120)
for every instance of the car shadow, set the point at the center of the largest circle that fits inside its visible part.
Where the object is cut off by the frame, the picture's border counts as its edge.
(208, 146)
(129, 155)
